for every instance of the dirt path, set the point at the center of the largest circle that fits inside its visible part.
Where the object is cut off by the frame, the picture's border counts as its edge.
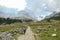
(28, 35)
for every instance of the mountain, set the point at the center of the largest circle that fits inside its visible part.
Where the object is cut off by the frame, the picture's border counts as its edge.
(7, 12)
(24, 15)
(14, 13)
(54, 15)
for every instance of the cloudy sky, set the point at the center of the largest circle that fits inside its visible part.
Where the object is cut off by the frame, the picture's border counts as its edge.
(10, 8)
(43, 7)
(20, 4)
(38, 8)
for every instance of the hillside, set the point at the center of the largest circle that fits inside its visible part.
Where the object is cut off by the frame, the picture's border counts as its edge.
(54, 15)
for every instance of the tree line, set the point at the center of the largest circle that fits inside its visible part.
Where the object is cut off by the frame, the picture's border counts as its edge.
(9, 20)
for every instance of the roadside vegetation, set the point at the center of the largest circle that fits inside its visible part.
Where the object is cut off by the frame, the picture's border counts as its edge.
(7, 25)
(43, 30)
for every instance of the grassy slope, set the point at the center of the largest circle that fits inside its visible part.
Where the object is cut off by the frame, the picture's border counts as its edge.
(4, 28)
(46, 36)
(34, 25)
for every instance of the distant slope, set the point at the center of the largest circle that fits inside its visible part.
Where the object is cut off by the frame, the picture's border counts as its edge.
(54, 15)
(25, 15)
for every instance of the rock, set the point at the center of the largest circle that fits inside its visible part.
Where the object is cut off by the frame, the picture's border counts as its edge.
(58, 28)
(45, 29)
(54, 35)
(49, 26)
(39, 29)
(24, 29)
(55, 29)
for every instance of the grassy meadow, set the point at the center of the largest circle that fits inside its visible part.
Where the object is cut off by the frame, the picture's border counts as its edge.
(41, 35)
(46, 34)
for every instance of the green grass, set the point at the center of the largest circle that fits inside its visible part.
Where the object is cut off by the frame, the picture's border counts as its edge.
(34, 25)
(42, 35)
(9, 27)
(4, 28)
(16, 35)
(46, 36)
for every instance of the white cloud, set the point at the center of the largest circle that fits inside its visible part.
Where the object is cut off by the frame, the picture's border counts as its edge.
(20, 4)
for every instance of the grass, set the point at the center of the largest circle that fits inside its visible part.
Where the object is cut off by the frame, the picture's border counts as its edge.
(47, 36)
(0, 38)
(42, 35)
(5, 28)
(16, 35)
